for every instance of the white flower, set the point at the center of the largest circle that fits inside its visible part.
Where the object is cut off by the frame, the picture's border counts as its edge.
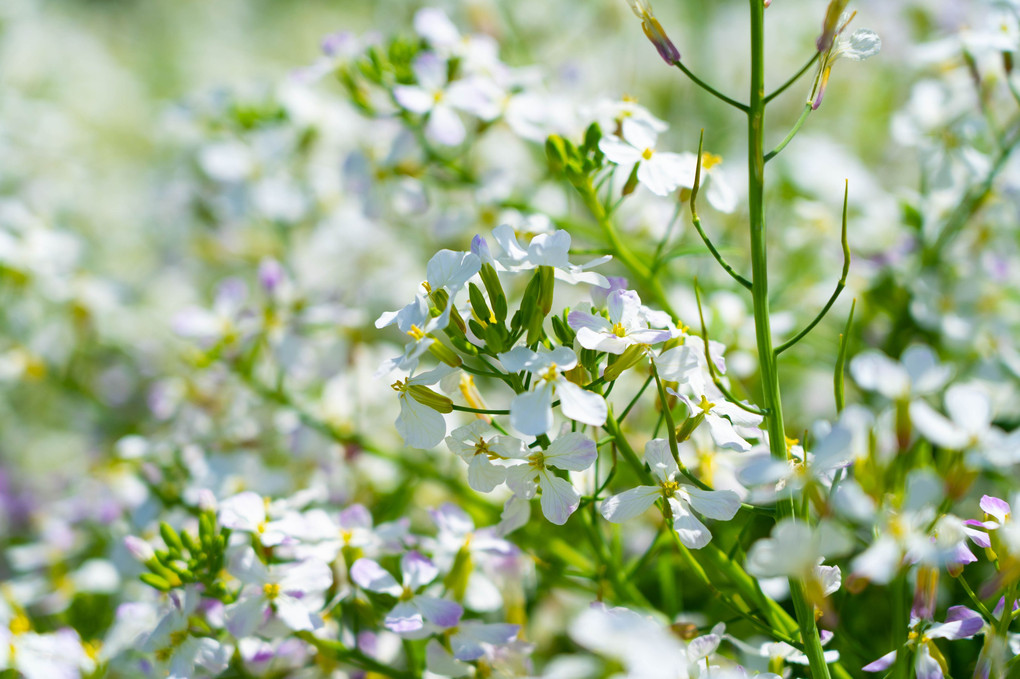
(570, 452)
(531, 412)
(970, 419)
(715, 504)
(470, 444)
(432, 96)
(918, 372)
(294, 592)
(408, 617)
(417, 322)
(661, 172)
(795, 549)
(544, 249)
(722, 418)
(420, 425)
(624, 328)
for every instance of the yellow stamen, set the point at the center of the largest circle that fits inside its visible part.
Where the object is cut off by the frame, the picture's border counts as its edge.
(271, 590)
(619, 330)
(705, 404)
(416, 333)
(709, 160)
(647, 154)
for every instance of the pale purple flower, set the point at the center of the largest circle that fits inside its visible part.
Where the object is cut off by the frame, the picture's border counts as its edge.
(413, 609)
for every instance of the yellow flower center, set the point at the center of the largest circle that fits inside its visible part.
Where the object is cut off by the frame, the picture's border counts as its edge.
(271, 590)
(619, 330)
(416, 333)
(647, 154)
(20, 624)
(705, 404)
(550, 373)
(709, 160)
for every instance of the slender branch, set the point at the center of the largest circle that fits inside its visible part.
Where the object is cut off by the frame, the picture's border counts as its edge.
(837, 378)
(794, 78)
(716, 380)
(793, 133)
(697, 221)
(708, 88)
(479, 411)
(839, 286)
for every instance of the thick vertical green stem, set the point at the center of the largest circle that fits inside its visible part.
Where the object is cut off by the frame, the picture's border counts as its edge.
(771, 396)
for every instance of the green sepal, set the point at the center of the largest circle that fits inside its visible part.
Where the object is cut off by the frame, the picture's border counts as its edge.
(630, 357)
(685, 430)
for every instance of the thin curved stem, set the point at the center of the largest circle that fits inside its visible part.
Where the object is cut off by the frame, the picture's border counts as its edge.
(479, 411)
(716, 380)
(793, 133)
(839, 286)
(838, 375)
(794, 78)
(708, 88)
(697, 222)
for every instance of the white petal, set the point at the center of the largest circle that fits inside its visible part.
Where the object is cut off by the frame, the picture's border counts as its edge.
(451, 270)
(639, 133)
(618, 151)
(413, 98)
(693, 534)
(579, 318)
(441, 612)
(419, 425)
(531, 412)
(724, 435)
(559, 499)
(244, 511)
(445, 126)
(715, 504)
(660, 459)
(935, 427)
(369, 575)
(657, 177)
(483, 476)
(418, 570)
(969, 407)
(580, 405)
(574, 452)
(295, 614)
(630, 503)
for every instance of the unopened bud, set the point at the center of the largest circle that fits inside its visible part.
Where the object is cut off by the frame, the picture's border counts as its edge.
(432, 399)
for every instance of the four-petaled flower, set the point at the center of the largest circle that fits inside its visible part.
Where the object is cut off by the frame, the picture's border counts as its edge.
(660, 171)
(682, 498)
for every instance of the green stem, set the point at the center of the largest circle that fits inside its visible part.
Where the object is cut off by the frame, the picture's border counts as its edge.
(793, 133)
(708, 88)
(794, 78)
(771, 396)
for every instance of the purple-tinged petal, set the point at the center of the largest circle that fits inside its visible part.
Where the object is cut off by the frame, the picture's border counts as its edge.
(369, 575)
(418, 570)
(441, 612)
(883, 663)
(996, 507)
